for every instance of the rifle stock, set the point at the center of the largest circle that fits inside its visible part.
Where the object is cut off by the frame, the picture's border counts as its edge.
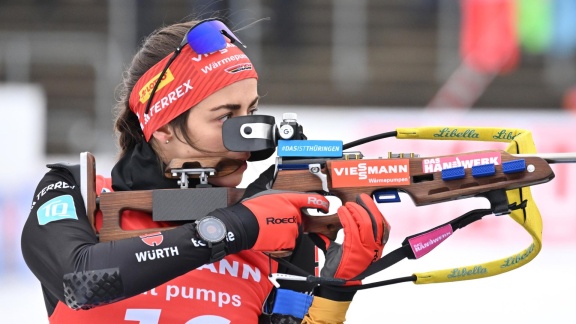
(424, 188)
(112, 204)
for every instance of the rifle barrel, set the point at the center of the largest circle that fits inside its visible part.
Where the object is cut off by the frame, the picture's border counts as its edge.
(553, 157)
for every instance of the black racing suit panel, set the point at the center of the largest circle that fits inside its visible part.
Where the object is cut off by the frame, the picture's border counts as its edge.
(62, 250)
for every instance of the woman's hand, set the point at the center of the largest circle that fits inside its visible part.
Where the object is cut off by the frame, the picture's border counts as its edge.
(366, 232)
(269, 220)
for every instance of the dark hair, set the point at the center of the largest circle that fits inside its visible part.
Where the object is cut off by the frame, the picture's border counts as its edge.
(154, 48)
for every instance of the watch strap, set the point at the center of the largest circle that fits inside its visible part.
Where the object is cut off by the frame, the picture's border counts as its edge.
(217, 251)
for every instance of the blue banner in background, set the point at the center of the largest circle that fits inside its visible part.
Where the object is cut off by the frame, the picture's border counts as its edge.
(564, 28)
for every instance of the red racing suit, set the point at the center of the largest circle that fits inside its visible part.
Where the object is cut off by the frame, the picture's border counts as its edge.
(232, 290)
(154, 279)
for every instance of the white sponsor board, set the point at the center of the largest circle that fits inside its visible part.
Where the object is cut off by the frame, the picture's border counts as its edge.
(23, 135)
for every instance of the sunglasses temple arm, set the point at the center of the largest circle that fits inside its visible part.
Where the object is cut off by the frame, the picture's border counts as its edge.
(160, 79)
(233, 39)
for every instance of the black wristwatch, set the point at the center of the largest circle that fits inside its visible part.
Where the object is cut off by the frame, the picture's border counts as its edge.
(213, 231)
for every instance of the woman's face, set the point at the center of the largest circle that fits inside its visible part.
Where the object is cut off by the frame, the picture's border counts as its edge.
(205, 122)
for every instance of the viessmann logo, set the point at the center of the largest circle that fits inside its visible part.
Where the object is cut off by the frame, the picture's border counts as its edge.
(381, 172)
(148, 87)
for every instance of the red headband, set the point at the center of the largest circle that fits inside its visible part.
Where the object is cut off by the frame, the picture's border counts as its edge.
(189, 79)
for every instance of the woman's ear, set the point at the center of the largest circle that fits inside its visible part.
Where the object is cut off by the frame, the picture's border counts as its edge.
(163, 134)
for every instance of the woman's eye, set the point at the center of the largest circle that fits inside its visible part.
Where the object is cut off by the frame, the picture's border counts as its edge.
(230, 115)
(224, 118)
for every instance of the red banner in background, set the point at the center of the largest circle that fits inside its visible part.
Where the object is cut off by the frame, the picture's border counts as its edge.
(489, 41)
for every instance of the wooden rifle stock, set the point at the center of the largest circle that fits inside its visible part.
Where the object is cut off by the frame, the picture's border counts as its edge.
(113, 204)
(424, 188)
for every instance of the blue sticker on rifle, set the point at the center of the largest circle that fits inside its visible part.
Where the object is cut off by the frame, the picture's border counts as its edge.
(309, 148)
(61, 207)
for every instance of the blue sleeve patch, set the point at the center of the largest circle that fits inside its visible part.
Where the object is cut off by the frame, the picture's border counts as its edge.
(61, 207)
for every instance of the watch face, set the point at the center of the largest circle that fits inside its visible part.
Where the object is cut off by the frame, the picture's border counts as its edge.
(211, 229)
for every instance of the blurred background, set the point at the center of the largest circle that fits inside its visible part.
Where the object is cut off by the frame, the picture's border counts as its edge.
(349, 69)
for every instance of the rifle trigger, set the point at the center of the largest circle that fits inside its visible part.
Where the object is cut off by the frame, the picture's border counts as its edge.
(316, 170)
(498, 201)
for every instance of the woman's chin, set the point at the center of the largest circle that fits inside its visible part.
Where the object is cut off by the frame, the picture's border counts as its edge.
(231, 181)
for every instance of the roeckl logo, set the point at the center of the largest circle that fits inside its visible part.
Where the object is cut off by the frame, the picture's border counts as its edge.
(148, 87)
(275, 221)
(153, 239)
(315, 201)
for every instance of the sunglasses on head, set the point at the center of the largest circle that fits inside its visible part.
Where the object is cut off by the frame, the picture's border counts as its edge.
(207, 36)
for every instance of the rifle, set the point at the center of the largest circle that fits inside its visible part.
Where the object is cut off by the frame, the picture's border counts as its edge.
(423, 188)
(427, 180)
